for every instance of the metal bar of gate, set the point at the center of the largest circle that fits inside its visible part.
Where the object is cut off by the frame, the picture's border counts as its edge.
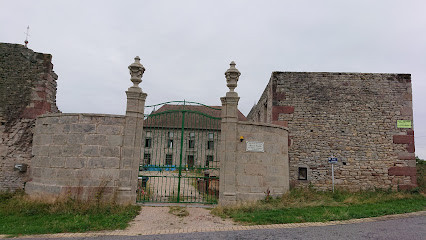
(181, 151)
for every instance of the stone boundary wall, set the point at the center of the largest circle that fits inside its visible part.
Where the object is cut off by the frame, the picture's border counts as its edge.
(259, 172)
(76, 155)
(350, 115)
(27, 90)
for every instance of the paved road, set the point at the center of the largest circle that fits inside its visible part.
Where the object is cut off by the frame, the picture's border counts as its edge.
(412, 228)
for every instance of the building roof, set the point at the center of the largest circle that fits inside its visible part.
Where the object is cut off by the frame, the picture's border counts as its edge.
(196, 117)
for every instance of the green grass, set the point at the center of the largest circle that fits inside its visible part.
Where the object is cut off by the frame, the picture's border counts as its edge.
(308, 205)
(20, 216)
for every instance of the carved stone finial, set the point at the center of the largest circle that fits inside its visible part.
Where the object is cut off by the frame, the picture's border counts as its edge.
(232, 75)
(136, 72)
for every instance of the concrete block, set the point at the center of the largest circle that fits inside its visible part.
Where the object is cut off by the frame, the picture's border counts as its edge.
(57, 162)
(106, 174)
(75, 139)
(71, 150)
(247, 180)
(115, 140)
(38, 150)
(126, 162)
(128, 152)
(49, 120)
(125, 175)
(129, 140)
(110, 129)
(109, 151)
(68, 119)
(75, 162)
(83, 128)
(95, 139)
(90, 151)
(55, 151)
(36, 172)
(244, 197)
(255, 169)
(103, 162)
(59, 139)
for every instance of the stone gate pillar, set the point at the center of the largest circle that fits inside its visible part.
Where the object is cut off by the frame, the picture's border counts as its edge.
(132, 139)
(229, 139)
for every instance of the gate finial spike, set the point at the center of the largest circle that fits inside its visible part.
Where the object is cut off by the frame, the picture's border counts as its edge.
(136, 72)
(232, 75)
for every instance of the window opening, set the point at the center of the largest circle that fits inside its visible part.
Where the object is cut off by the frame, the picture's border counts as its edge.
(191, 143)
(147, 158)
(190, 161)
(303, 173)
(209, 160)
(169, 159)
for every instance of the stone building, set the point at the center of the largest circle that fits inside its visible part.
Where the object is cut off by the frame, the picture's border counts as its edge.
(301, 119)
(363, 119)
(27, 90)
(162, 137)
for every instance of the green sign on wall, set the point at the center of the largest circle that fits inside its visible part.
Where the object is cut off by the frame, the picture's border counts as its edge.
(403, 123)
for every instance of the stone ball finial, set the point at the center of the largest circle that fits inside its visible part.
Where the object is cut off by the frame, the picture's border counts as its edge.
(136, 72)
(232, 75)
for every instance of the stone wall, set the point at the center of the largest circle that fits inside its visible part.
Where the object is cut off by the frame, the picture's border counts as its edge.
(77, 155)
(352, 116)
(257, 173)
(90, 156)
(27, 90)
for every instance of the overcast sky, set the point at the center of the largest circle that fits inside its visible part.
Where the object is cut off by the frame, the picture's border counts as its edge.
(186, 46)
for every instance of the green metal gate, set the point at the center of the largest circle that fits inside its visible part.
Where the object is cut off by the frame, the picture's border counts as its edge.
(180, 160)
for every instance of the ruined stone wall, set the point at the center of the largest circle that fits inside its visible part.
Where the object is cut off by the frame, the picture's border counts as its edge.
(352, 116)
(261, 111)
(27, 90)
(77, 154)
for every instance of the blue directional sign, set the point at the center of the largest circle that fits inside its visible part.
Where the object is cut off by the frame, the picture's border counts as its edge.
(332, 160)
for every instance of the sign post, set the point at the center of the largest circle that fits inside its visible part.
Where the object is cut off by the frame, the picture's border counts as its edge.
(332, 160)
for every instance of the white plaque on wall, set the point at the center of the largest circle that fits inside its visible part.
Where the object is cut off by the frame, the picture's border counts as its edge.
(255, 146)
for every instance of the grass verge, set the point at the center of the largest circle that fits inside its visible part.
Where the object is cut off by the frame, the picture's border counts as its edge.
(308, 205)
(20, 216)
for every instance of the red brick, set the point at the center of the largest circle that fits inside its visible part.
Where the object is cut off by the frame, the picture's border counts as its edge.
(276, 110)
(280, 123)
(410, 132)
(402, 171)
(403, 139)
(42, 95)
(411, 148)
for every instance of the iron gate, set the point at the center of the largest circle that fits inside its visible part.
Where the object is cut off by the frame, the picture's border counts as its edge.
(180, 162)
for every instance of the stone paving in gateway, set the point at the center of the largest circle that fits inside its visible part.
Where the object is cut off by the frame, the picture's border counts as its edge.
(133, 232)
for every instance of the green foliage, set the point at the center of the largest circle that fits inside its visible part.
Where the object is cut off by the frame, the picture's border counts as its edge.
(421, 172)
(20, 215)
(309, 205)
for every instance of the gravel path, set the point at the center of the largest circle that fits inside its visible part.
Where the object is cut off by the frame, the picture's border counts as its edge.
(159, 218)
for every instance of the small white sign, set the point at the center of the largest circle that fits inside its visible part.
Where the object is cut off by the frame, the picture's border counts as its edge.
(255, 146)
